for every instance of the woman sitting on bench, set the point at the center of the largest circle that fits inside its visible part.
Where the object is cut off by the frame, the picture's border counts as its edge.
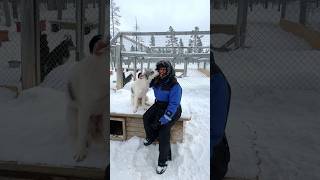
(162, 115)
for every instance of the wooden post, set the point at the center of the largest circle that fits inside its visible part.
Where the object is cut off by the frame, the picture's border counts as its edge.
(30, 44)
(102, 16)
(7, 12)
(79, 29)
(60, 5)
(303, 12)
(185, 67)
(242, 22)
(141, 64)
(119, 67)
(15, 13)
(283, 8)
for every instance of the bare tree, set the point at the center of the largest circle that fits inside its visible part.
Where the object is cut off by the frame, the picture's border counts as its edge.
(114, 17)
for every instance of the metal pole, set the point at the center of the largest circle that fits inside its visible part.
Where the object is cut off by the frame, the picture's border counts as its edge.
(102, 16)
(80, 29)
(242, 22)
(185, 67)
(283, 9)
(119, 68)
(30, 47)
(7, 12)
(303, 12)
(141, 64)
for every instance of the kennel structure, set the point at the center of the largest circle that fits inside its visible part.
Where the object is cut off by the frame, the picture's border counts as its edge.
(28, 29)
(147, 54)
(124, 126)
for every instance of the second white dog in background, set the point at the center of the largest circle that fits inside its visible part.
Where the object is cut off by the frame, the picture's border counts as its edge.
(140, 88)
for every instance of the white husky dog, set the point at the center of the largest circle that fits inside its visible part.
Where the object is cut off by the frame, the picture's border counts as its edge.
(87, 99)
(140, 88)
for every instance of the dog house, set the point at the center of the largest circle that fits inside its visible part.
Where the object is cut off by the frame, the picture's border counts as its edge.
(125, 126)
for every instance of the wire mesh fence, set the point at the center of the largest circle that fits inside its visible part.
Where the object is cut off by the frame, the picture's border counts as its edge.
(259, 50)
(10, 55)
(58, 43)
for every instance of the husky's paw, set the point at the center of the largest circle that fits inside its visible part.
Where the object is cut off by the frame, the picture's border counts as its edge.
(145, 107)
(135, 110)
(80, 155)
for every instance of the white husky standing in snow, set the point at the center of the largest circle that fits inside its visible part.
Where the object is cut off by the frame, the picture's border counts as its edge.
(140, 88)
(87, 99)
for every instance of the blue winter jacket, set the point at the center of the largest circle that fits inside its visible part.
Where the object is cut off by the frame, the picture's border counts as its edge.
(220, 98)
(172, 96)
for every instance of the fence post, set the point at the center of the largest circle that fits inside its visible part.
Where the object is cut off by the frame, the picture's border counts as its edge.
(148, 64)
(303, 12)
(80, 13)
(119, 67)
(7, 12)
(185, 67)
(141, 64)
(134, 67)
(283, 8)
(30, 46)
(102, 15)
(242, 22)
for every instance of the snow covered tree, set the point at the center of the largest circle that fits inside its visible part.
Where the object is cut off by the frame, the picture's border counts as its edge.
(196, 40)
(189, 49)
(132, 48)
(114, 18)
(152, 41)
(172, 41)
(123, 48)
(199, 44)
(180, 51)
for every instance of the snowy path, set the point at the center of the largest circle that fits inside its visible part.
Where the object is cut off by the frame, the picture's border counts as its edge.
(273, 123)
(275, 136)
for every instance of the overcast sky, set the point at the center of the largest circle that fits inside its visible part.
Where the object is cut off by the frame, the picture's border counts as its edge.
(158, 15)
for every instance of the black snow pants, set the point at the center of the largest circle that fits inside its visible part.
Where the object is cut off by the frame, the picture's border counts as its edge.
(155, 130)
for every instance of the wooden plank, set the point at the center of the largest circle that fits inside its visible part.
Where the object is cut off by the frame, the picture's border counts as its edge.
(133, 54)
(205, 72)
(133, 133)
(4, 35)
(117, 137)
(135, 128)
(117, 119)
(50, 170)
(139, 116)
(164, 33)
(134, 124)
(309, 35)
(224, 28)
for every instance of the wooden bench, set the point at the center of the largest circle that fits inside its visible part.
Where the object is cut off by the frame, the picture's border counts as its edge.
(130, 125)
(56, 25)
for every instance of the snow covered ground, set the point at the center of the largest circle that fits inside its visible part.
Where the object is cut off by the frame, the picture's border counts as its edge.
(275, 135)
(132, 160)
(33, 130)
(273, 123)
